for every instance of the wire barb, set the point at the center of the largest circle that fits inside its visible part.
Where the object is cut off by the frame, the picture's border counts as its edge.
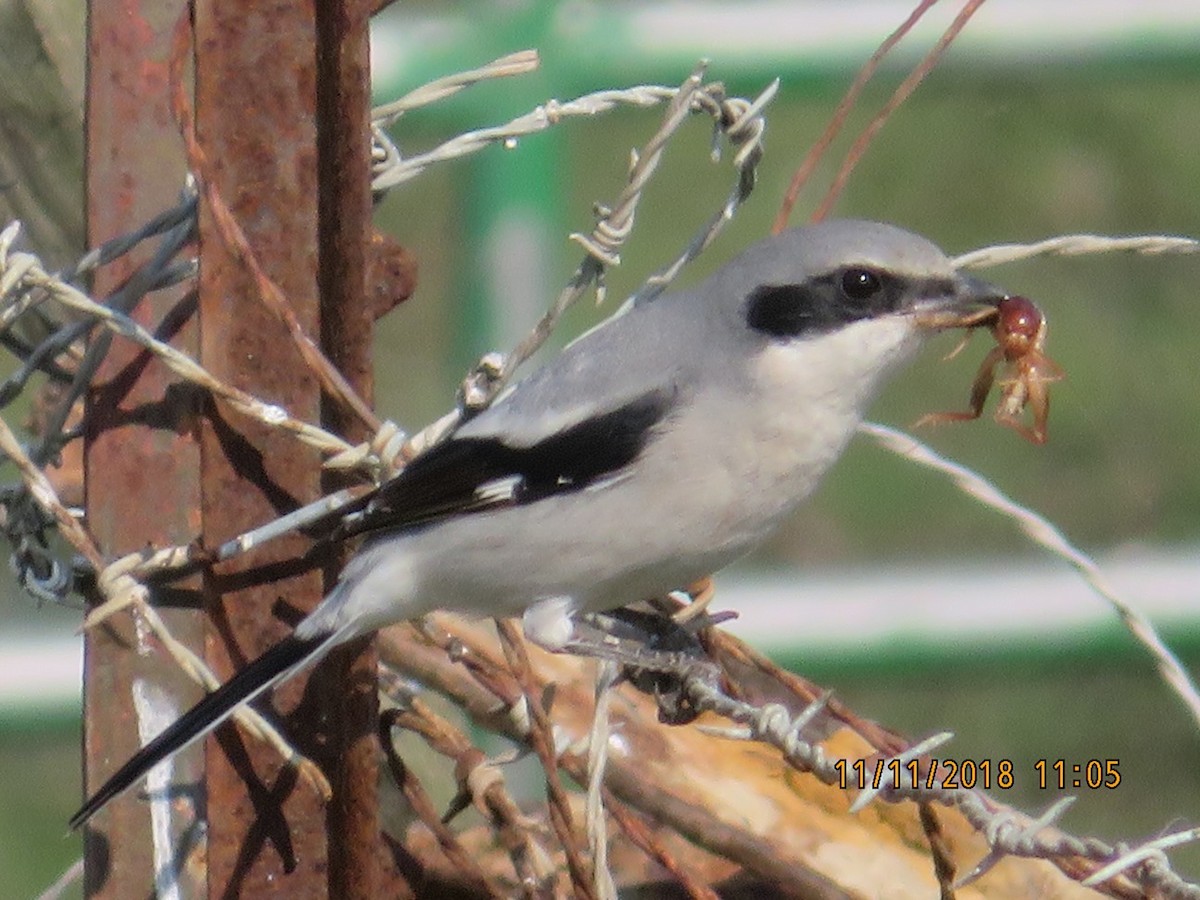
(31, 507)
(1077, 245)
(1042, 532)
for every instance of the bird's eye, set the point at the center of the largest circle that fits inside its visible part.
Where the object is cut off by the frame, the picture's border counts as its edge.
(860, 284)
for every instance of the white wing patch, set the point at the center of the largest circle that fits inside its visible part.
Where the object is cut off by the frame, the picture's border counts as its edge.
(502, 490)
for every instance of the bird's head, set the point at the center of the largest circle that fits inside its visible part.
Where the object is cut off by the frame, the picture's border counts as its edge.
(831, 309)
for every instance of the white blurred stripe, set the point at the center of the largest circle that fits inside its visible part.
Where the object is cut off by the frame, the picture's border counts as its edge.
(837, 34)
(40, 672)
(972, 605)
(846, 612)
(794, 29)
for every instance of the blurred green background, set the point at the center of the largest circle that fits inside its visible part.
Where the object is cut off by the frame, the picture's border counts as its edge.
(988, 150)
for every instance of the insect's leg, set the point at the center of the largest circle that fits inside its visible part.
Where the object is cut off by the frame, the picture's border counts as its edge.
(960, 346)
(984, 379)
(980, 389)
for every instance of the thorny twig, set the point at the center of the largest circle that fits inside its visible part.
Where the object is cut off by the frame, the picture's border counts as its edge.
(902, 93)
(1006, 831)
(332, 381)
(939, 848)
(420, 803)
(541, 737)
(817, 151)
(480, 782)
(644, 838)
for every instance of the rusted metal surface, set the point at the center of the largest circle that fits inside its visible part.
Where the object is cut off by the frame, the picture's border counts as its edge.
(142, 457)
(391, 273)
(256, 120)
(356, 866)
(343, 126)
(291, 162)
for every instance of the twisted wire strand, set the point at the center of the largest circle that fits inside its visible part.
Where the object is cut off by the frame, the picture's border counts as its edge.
(25, 288)
(1006, 831)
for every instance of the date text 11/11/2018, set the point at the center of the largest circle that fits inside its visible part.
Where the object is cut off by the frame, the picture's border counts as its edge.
(896, 773)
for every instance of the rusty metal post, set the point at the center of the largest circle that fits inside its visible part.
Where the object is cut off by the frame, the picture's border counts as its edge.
(256, 73)
(282, 107)
(143, 458)
(347, 328)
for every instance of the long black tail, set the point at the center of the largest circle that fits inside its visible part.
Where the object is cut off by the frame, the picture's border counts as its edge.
(288, 656)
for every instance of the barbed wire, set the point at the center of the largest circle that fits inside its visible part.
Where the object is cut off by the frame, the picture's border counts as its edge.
(607, 675)
(1077, 245)
(401, 169)
(25, 285)
(26, 288)
(229, 231)
(519, 63)
(122, 590)
(385, 155)
(1042, 532)
(738, 120)
(73, 873)
(21, 272)
(1007, 831)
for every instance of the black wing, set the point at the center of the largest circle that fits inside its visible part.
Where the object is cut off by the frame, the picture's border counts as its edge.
(476, 474)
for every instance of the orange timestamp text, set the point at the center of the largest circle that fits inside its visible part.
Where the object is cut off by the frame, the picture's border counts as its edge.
(1092, 773)
(987, 774)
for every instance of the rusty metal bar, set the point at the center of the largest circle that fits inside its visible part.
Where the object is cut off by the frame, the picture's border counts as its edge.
(282, 100)
(256, 72)
(356, 865)
(142, 457)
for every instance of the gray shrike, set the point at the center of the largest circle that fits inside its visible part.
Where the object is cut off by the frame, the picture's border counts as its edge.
(654, 450)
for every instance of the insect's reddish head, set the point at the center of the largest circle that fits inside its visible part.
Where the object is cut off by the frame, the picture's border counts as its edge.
(1019, 327)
